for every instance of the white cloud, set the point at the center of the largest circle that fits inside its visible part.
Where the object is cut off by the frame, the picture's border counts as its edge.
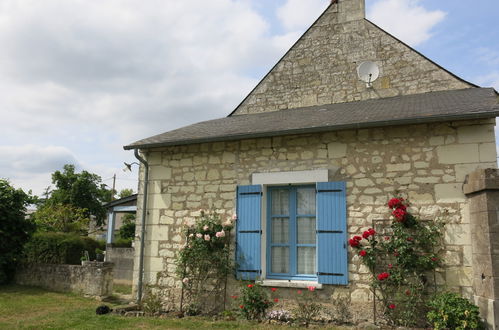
(408, 20)
(300, 14)
(90, 77)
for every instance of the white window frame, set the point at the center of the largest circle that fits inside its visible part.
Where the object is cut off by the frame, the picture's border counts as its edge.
(279, 179)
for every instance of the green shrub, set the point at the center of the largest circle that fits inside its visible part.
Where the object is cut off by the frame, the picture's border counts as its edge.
(122, 243)
(127, 231)
(448, 310)
(59, 248)
(15, 229)
(254, 302)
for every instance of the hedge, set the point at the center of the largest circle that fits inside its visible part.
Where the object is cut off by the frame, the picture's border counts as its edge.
(59, 248)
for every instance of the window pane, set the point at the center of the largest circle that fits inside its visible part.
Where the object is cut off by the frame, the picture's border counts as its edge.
(306, 230)
(280, 202)
(306, 260)
(280, 259)
(280, 230)
(306, 201)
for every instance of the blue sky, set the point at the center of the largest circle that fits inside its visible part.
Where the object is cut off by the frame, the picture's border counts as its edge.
(80, 79)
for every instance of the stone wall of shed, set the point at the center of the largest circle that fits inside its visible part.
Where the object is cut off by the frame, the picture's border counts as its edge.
(427, 163)
(321, 68)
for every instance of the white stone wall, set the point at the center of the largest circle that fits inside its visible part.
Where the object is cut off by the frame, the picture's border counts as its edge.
(427, 163)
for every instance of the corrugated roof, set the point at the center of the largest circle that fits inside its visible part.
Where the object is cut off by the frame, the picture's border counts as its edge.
(411, 109)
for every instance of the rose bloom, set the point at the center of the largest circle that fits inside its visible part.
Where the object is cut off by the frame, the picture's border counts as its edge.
(241, 306)
(394, 202)
(311, 288)
(299, 292)
(362, 253)
(366, 234)
(185, 280)
(353, 242)
(227, 223)
(357, 238)
(191, 235)
(408, 292)
(199, 235)
(233, 297)
(399, 214)
(371, 231)
(234, 217)
(207, 237)
(383, 276)
(250, 285)
(391, 306)
(206, 227)
(276, 300)
(273, 289)
(220, 234)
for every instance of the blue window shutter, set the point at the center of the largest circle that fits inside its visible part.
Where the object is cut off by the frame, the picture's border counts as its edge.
(248, 232)
(332, 263)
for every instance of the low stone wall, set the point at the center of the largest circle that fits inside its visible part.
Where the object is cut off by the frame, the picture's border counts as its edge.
(122, 258)
(92, 279)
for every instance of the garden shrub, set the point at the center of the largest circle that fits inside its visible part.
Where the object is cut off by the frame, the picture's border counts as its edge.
(59, 248)
(203, 263)
(127, 230)
(122, 243)
(254, 302)
(308, 309)
(448, 310)
(400, 262)
(15, 229)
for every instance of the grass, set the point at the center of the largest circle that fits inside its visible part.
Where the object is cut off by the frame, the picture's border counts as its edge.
(33, 308)
(122, 289)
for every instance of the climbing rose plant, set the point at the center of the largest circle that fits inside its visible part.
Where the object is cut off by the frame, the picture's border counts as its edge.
(203, 263)
(401, 263)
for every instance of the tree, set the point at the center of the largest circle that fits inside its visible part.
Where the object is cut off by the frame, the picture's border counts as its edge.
(83, 190)
(61, 218)
(15, 229)
(125, 193)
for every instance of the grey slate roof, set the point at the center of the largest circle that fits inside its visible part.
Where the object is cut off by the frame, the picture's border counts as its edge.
(471, 103)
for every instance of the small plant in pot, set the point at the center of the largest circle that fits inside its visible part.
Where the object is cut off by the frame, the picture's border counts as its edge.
(99, 255)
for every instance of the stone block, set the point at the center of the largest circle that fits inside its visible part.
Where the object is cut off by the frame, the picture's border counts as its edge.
(475, 134)
(458, 154)
(488, 152)
(157, 233)
(336, 149)
(159, 172)
(459, 276)
(403, 167)
(457, 234)
(159, 201)
(449, 193)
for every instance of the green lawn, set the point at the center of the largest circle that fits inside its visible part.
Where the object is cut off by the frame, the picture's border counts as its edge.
(34, 308)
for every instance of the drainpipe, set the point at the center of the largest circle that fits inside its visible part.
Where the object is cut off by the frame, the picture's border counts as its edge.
(143, 224)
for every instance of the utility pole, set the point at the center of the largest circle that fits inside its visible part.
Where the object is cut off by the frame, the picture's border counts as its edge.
(114, 185)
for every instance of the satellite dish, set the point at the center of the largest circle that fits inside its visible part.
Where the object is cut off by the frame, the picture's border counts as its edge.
(368, 72)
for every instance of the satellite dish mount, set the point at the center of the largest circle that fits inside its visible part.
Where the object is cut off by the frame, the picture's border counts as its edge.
(368, 72)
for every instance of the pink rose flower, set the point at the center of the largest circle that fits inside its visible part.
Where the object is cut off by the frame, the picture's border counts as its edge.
(205, 228)
(220, 234)
(207, 237)
(199, 235)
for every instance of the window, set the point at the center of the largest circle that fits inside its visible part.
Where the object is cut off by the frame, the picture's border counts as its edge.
(305, 230)
(291, 239)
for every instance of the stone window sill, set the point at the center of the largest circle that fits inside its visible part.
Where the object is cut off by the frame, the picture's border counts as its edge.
(290, 284)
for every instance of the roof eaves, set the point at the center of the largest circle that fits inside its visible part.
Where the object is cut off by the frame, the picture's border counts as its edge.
(383, 123)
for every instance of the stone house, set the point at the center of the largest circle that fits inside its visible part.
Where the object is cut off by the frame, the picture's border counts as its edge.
(312, 155)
